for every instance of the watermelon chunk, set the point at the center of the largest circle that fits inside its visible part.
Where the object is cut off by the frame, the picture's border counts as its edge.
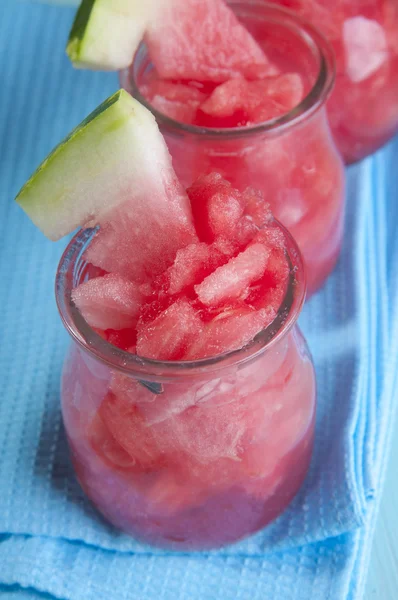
(127, 426)
(204, 41)
(171, 333)
(216, 207)
(130, 169)
(366, 48)
(256, 208)
(175, 100)
(108, 302)
(230, 330)
(245, 231)
(232, 280)
(271, 289)
(191, 264)
(258, 100)
(125, 339)
(105, 445)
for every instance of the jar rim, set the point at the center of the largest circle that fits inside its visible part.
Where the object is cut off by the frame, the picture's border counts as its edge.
(70, 269)
(311, 103)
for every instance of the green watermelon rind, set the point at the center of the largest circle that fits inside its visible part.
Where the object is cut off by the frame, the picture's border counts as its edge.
(106, 33)
(117, 142)
(75, 47)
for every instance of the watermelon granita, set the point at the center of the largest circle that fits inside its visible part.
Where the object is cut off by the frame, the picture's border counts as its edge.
(188, 394)
(237, 89)
(363, 108)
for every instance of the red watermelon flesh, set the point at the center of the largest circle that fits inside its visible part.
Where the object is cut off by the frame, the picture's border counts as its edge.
(127, 427)
(255, 208)
(106, 446)
(216, 207)
(204, 41)
(258, 100)
(201, 298)
(230, 330)
(271, 290)
(190, 265)
(171, 333)
(108, 302)
(178, 101)
(140, 239)
(125, 339)
(232, 281)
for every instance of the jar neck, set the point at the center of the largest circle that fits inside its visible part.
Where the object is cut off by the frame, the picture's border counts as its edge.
(315, 51)
(73, 269)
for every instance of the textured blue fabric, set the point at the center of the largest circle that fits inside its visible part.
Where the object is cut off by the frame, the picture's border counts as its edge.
(52, 542)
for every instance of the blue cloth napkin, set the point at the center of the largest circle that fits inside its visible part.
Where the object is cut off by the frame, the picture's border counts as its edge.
(52, 541)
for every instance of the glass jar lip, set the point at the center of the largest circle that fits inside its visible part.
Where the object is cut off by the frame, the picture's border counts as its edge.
(310, 104)
(134, 365)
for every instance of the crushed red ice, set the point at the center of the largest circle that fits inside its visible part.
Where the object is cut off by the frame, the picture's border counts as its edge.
(176, 100)
(258, 100)
(232, 281)
(218, 292)
(234, 103)
(108, 302)
(171, 333)
(216, 207)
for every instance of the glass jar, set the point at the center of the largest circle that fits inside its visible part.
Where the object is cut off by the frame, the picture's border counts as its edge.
(292, 159)
(363, 108)
(188, 455)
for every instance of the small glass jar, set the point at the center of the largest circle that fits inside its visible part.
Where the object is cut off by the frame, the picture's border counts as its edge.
(292, 159)
(363, 108)
(188, 455)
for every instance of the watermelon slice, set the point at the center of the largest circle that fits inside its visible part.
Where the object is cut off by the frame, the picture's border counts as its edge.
(108, 302)
(187, 39)
(204, 41)
(127, 185)
(106, 33)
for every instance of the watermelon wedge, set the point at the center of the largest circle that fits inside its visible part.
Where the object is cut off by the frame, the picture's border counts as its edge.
(126, 185)
(106, 33)
(203, 40)
(186, 39)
